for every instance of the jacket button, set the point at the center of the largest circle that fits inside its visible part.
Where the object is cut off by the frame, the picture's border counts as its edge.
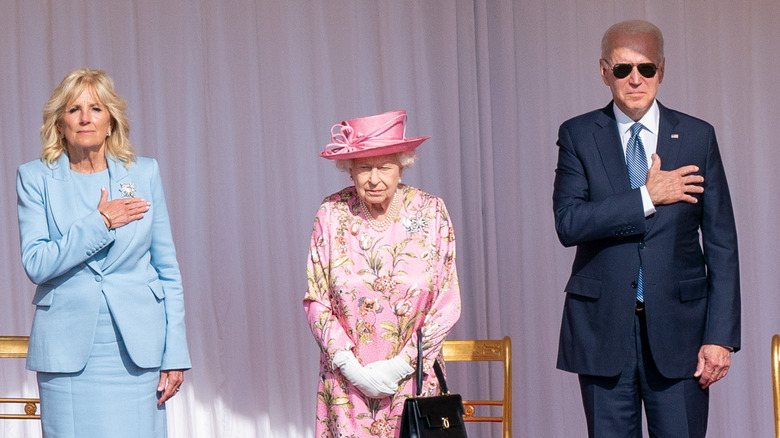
(633, 284)
(642, 245)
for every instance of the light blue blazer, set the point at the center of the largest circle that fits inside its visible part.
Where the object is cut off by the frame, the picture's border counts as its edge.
(140, 276)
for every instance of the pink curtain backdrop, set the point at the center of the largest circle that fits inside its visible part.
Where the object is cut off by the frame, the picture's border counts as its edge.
(236, 98)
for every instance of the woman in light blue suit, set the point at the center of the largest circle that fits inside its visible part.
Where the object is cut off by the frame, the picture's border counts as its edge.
(108, 339)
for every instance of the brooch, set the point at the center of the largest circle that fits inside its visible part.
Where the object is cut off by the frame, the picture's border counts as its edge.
(127, 190)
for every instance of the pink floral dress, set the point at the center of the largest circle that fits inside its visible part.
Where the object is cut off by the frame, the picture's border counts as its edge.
(369, 291)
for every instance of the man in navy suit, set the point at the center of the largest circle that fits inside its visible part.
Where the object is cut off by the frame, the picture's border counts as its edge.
(652, 308)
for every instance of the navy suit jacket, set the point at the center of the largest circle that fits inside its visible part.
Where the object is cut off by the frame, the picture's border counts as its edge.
(688, 251)
(139, 277)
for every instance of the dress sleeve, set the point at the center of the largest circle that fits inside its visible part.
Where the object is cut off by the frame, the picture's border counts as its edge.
(321, 313)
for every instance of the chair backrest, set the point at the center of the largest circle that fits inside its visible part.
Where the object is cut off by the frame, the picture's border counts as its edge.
(776, 381)
(499, 350)
(16, 346)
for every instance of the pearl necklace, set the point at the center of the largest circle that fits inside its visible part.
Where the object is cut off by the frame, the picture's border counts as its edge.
(389, 216)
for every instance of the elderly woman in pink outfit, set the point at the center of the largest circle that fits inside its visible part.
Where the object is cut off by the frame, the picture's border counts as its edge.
(381, 265)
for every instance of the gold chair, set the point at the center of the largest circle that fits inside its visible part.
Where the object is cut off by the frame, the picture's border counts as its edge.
(499, 350)
(776, 381)
(16, 346)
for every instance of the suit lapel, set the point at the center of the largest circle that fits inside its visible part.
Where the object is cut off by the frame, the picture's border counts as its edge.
(669, 140)
(667, 147)
(61, 198)
(118, 175)
(611, 150)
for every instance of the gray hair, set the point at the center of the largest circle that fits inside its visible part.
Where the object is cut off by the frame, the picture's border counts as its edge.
(633, 27)
(406, 158)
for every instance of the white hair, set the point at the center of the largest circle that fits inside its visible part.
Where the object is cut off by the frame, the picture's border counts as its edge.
(406, 158)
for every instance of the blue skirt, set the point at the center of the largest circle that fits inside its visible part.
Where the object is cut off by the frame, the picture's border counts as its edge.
(110, 397)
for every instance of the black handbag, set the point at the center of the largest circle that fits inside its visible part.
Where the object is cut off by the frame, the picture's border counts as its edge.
(440, 416)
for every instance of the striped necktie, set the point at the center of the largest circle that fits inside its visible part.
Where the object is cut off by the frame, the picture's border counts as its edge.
(636, 163)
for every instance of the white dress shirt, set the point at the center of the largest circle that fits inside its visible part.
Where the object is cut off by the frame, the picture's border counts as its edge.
(649, 135)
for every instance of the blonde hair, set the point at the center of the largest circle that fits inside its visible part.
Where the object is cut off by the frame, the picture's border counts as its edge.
(101, 86)
(633, 27)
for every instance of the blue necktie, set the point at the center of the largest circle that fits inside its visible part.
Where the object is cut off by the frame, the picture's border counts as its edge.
(636, 163)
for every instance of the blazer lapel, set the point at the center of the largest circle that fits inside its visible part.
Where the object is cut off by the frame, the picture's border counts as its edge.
(667, 147)
(61, 195)
(118, 175)
(669, 140)
(61, 198)
(611, 150)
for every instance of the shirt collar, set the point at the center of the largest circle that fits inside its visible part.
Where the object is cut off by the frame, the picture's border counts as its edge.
(650, 120)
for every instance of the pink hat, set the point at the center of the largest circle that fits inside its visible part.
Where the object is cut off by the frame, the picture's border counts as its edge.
(370, 136)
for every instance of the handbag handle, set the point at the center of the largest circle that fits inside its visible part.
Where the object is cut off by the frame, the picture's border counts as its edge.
(436, 368)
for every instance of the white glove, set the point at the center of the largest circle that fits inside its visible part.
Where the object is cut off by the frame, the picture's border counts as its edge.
(390, 371)
(361, 378)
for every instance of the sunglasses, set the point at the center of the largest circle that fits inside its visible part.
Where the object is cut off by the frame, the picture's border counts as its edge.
(646, 69)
